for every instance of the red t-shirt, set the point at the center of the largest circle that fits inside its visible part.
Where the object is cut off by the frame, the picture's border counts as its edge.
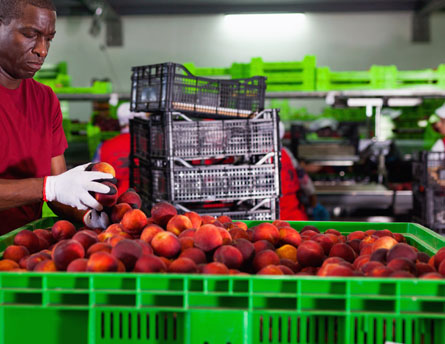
(31, 133)
(116, 152)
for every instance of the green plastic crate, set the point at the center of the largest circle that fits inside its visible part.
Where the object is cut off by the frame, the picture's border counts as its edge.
(67, 308)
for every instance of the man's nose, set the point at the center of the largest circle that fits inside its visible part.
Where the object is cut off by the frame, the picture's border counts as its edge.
(41, 47)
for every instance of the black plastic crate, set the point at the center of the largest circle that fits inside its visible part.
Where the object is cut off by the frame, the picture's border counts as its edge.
(174, 180)
(429, 207)
(176, 135)
(256, 209)
(429, 169)
(171, 87)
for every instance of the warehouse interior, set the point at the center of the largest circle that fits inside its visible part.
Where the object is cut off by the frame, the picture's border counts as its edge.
(103, 40)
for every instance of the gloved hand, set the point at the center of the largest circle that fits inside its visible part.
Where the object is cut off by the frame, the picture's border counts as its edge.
(73, 187)
(96, 219)
(320, 213)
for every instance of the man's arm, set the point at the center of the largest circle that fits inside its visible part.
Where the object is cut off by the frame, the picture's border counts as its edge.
(16, 193)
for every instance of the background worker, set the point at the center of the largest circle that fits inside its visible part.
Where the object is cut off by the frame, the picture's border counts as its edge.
(116, 151)
(438, 123)
(32, 141)
(298, 200)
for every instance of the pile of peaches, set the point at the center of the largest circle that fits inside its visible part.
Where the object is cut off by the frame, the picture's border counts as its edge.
(189, 243)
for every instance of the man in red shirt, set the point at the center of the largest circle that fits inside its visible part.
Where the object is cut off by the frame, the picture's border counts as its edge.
(32, 141)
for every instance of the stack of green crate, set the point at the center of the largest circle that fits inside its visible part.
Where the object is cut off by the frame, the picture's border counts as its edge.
(281, 76)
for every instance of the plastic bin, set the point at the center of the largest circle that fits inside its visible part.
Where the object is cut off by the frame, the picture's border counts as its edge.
(174, 180)
(429, 170)
(170, 135)
(171, 87)
(73, 308)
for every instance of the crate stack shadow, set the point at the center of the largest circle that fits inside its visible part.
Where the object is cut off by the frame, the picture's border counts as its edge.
(208, 145)
(429, 190)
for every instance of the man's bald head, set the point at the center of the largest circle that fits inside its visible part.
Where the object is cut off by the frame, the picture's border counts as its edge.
(13, 9)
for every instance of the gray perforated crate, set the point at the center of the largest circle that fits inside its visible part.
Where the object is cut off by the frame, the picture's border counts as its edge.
(175, 180)
(176, 135)
(429, 170)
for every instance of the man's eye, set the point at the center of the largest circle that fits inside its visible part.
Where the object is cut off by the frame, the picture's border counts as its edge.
(29, 35)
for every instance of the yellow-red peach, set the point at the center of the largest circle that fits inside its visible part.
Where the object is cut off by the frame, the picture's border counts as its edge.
(166, 244)
(195, 218)
(98, 247)
(332, 231)
(146, 248)
(238, 233)
(265, 258)
(162, 212)
(423, 268)
(431, 275)
(360, 260)
(325, 241)
(65, 252)
(423, 257)
(344, 251)
(35, 259)
(383, 232)
(310, 253)
(309, 228)
(45, 266)
(102, 166)
(437, 258)
(28, 239)
(150, 231)
(118, 211)
(215, 268)
(246, 248)
(107, 199)
(225, 235)
(401, 250)
(183, 265)
(224, 219)
(45, 234)
(384, 242)
(280, 224)
(8, 265)
(401, 274)
(398, 264)
(286, 270)
(289, 236)
(208, 237)
(270, 270)
(179, 223)
(62, 230)
(127, 251)
(380, 271)
(379, 255)
(150, 263)
(262, 245)
(240, 224)
(308, 234)
(195, 254)
(335, 269)
(15, 252)
(102, 262)
(295, 267)
(86, 238)
(132, 198)
(369, 266)
(77, 265)
(355, 244)
(356, 235)
(288, 252)
(186, 242)
(134, 221)
(266, 231)
(230, 256)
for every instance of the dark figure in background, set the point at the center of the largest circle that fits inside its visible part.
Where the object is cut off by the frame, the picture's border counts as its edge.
(32, 141)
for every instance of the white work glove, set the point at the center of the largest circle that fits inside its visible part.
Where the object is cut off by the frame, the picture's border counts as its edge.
(73, 188)
(96, 219)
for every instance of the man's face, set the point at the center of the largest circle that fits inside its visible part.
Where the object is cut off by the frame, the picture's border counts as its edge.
(24, 43)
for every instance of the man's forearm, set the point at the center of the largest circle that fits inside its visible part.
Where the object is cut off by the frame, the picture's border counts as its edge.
(18, 192)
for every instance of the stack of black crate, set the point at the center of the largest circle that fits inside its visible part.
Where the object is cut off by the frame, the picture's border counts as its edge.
(208, 145)
(429, 190)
